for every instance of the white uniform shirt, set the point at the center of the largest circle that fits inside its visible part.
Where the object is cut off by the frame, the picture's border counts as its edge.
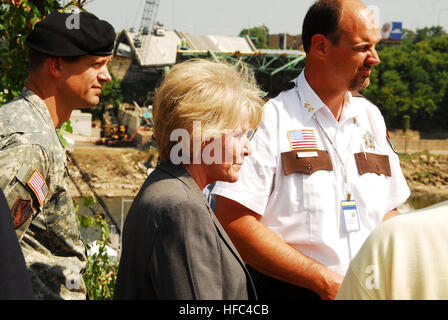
(305, 209)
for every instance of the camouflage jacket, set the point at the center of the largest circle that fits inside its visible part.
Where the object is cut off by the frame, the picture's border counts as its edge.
(33, 176)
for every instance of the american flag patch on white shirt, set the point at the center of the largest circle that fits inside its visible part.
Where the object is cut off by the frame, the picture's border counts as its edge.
(304, 139)
(39, 186)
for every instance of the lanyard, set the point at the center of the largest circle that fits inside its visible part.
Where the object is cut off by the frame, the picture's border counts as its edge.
(346, 184)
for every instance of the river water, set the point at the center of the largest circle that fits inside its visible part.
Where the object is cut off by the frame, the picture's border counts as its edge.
(425, 201)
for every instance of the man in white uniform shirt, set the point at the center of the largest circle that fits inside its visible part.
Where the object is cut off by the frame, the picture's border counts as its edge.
(323, 173)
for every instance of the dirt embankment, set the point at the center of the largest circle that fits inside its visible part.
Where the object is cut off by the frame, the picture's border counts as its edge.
(426, 174)
(110, 172)
(114, 172)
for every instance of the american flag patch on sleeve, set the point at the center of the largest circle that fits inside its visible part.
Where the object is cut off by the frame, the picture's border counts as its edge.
(304, 139)
(39, 186)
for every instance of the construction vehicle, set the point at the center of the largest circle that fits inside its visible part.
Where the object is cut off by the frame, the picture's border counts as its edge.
(108, 130)
(115, 135)
(137, 42)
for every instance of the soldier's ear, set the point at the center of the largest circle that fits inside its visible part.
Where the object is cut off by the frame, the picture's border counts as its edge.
(55, 66)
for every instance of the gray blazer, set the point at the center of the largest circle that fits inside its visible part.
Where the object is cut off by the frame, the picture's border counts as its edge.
(175, 248)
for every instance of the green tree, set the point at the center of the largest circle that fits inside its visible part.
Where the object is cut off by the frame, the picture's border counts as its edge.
(111, 92)
(17, 19)
(3, 43)
(408, 36)
(101, 273)
(413, 80)
(259, 35)
(429, 32)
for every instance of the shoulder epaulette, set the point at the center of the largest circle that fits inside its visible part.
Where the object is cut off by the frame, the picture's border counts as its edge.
(356, 94)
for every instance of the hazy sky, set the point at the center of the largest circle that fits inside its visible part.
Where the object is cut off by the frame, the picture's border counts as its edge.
(229, 17)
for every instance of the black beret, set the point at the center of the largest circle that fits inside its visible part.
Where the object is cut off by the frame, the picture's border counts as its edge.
(72, 34)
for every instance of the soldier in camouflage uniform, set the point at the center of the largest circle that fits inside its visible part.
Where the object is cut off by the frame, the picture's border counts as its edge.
(33, 172)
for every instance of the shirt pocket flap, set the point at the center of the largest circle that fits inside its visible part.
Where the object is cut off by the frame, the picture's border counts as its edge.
(374, 163)
(292, 163)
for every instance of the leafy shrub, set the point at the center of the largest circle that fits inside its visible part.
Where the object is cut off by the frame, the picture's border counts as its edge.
(101, 273)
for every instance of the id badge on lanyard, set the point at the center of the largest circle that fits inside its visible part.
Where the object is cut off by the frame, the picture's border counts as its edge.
(348, 206)
(351, 217)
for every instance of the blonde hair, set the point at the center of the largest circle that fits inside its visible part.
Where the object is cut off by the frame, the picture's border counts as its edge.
(213, 93)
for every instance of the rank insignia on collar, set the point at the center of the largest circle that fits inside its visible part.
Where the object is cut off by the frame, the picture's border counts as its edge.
(39, 186)
(308, 107)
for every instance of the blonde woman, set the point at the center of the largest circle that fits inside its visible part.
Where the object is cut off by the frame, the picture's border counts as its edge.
(173, 246)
